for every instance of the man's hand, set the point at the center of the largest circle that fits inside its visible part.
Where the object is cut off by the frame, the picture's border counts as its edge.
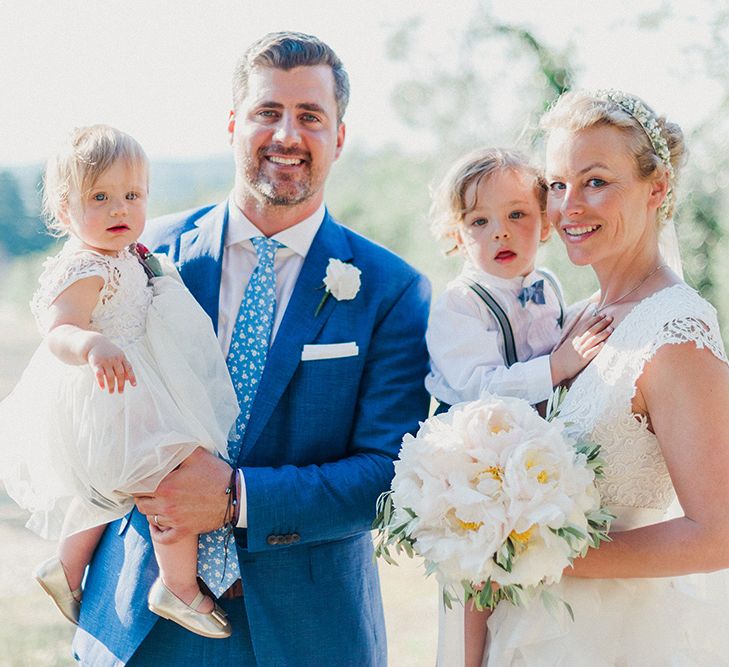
(190, 500)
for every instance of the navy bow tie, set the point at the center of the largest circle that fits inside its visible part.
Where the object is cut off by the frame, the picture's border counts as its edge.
(535, 293)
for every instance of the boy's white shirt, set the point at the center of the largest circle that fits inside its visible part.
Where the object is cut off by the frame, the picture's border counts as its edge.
(466, 346)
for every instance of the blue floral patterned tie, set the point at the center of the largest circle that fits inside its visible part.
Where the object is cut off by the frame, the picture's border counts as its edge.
(217, 564)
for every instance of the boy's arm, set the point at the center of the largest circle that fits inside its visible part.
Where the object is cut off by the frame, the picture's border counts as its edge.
(464, 346)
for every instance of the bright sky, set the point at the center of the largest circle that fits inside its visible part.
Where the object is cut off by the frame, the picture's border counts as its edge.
(161, 70)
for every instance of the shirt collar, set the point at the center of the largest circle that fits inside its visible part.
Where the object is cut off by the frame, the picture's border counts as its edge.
(512, 284)
(298, 238)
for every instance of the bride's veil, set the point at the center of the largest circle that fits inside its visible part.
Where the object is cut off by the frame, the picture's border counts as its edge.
(668, 247)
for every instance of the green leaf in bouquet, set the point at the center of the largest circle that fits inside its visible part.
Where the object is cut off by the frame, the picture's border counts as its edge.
(575, 531)
(482, 596)
(551, 603)
(399, 530)
(554, 403)
(571, 534)
(384, 553)
(549, 600)
(485, 598)
(600, 518)
(447, 598)
(384, 511)
(513, 593)
(504, 557)
(430, 568)
(408, 547)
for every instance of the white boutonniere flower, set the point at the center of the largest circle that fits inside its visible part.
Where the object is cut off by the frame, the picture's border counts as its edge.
(342, 281)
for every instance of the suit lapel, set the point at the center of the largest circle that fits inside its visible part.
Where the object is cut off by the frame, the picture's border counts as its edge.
(201, 259)
(298, 327)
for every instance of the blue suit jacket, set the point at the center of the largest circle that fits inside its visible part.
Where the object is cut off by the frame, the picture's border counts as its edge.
(317, 452)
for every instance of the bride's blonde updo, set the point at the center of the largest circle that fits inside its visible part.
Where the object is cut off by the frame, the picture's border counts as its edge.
(655, 142)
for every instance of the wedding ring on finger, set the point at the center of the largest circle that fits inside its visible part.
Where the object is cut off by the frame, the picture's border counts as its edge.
(156, 521)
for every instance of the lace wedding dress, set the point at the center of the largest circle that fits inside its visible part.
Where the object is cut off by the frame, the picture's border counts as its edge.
(620, 622)
(70, 452)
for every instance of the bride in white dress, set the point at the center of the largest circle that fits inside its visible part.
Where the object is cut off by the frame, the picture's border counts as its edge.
(655, 399)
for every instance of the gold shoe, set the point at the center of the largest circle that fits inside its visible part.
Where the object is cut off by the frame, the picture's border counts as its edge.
(52, 578)
(163, 602)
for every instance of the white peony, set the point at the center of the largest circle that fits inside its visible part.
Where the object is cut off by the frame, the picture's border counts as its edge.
(491, 491)
(342, 280)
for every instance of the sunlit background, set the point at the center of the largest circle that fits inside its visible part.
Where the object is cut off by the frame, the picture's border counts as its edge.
(429, 81)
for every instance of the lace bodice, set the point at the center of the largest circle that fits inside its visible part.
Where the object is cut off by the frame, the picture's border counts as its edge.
(121, 311)
(598, 405)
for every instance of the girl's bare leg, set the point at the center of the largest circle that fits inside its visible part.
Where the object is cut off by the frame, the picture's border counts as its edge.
(178, 570)
(75, 552)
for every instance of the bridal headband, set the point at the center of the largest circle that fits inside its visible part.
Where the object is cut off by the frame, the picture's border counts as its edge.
(648, 121)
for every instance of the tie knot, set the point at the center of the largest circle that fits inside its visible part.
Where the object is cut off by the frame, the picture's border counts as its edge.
(265, 248)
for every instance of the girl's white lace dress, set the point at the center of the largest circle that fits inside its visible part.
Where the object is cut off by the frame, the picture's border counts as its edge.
(72, 453)
(621, 622)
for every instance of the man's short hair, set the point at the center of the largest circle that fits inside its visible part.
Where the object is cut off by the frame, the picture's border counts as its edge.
(286, 50)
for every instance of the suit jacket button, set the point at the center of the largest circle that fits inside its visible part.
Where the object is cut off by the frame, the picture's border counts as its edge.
(295, 537)
(272, 539)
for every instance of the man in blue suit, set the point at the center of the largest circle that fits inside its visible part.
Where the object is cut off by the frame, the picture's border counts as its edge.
(341, 384)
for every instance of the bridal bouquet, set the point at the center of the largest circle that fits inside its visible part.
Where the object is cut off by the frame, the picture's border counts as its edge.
(491, 493)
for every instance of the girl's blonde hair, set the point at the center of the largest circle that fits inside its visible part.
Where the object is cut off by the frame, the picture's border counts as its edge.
(88, 153)
(449, 206)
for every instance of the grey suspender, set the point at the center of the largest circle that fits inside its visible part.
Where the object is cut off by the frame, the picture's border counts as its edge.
(498, 312)
(504, 324)
(557, 290)
(506, 331)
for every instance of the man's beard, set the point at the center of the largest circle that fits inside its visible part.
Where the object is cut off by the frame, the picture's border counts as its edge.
(281, 191)
(281, 194)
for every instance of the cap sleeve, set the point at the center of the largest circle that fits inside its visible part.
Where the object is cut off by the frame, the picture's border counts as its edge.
(701, 328)
(60, 272)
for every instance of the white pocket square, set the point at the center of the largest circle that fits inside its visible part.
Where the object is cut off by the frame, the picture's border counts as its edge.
(329, 351)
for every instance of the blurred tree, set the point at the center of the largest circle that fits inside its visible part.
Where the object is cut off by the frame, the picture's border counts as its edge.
(498, 79)
(701, 218)
(20, 233)
(384, 195)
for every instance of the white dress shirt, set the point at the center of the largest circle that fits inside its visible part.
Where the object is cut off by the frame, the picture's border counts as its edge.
(239, 260)
(467, 349)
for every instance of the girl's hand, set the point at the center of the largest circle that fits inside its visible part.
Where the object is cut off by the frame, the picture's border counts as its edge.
(110, 365)
(579, 347)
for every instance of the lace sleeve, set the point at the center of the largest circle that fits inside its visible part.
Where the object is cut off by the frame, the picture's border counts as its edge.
(59, 273)
(702, 330)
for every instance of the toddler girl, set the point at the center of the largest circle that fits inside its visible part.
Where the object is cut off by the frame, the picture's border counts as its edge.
(128, 381)
(497, 327)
